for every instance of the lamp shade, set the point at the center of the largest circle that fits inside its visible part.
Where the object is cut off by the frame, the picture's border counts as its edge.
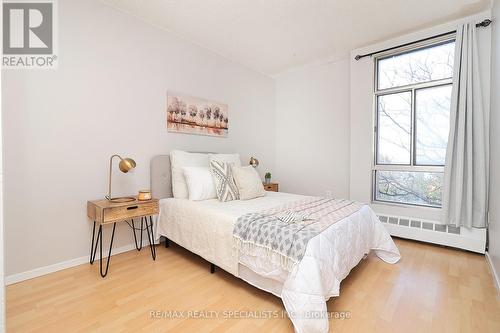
(254, 162)
(126, 164)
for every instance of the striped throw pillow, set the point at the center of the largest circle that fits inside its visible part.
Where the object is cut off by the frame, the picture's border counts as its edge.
(225, 186)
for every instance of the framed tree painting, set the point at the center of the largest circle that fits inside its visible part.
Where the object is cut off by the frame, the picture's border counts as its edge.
(193, 115)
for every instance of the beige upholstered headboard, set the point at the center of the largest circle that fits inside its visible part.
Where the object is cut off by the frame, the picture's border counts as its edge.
(161, 177)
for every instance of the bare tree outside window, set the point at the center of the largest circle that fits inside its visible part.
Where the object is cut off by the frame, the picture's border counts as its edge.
(417, 66)
(413, 93)
(432, 124)
(394, 120)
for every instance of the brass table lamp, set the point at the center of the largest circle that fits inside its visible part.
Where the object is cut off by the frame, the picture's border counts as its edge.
(254, 162)
(126, 164)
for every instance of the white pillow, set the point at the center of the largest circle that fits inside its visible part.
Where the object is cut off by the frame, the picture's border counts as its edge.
(248, 182)
(200, 183)
(233, 159)
(178, 160)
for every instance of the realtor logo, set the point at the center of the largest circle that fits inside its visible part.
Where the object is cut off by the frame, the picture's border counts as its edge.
(28, 34)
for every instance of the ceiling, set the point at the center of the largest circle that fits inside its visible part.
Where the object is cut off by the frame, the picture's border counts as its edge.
(272, 36)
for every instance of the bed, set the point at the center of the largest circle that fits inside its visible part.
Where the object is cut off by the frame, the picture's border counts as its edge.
(206, 229)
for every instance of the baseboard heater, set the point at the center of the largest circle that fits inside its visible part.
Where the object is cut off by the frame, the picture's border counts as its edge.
(471, 239)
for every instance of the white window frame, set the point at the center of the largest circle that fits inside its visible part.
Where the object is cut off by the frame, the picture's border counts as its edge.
(412, 167)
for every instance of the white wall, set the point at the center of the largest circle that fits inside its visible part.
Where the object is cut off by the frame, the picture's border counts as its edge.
(362, 115)
(108, 96)
(2, 252)
(312, 129)
(494, 218)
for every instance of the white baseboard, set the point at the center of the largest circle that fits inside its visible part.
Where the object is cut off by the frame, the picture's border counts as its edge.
(14, 278)
(496, 278)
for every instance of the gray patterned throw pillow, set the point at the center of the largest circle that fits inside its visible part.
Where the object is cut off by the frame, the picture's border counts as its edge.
(224, 182)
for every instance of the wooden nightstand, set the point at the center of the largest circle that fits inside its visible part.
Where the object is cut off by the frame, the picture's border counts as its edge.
(104, 212)
(271, 187)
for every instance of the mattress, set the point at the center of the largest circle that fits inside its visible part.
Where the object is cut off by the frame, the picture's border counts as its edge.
(206, 228)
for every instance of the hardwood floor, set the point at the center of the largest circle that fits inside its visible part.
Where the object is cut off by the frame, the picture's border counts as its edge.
(432, 289)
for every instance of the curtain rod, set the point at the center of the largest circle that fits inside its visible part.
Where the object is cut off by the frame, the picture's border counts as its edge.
(484, 23)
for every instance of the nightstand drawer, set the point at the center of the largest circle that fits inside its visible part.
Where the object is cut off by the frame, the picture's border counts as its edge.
(271, 187)
(126, 212)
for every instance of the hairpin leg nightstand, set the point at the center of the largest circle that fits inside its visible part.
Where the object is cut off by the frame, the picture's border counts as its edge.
(103, 212)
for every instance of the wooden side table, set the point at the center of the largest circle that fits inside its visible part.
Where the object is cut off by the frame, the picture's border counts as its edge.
(273, 187)
(104, 212)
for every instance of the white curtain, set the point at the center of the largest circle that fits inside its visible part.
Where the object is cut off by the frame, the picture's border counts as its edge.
(465, 192)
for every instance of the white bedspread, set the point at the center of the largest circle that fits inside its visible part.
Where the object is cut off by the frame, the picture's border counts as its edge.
(206, 228)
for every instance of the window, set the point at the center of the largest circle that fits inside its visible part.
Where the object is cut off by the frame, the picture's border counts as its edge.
(412, 102)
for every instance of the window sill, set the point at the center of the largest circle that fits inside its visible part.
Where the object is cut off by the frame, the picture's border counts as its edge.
(406, 206)
(415, 212)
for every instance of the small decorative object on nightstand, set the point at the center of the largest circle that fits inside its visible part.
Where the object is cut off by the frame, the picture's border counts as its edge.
(267, 177)
(144, 195)
(104, 212)
(273, 187)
